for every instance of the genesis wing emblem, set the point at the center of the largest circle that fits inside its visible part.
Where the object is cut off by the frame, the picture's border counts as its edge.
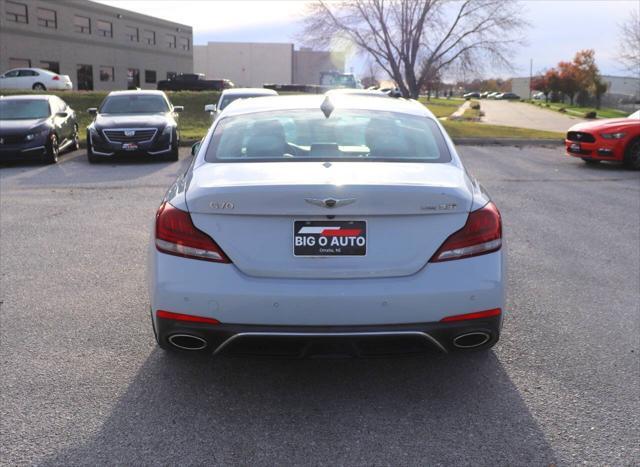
(330, 202)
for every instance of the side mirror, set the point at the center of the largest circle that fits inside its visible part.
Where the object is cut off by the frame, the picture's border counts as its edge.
(92, 110)
(178, 108)
(210, 108)
(195, 148)
(62, 114)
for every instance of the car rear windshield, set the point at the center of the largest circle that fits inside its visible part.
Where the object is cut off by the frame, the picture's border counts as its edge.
(23, 109)
(226, 100)
(134, 104)
(290, 135)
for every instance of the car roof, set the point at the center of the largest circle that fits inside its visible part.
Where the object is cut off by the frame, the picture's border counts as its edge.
(32, 97)
(137, 92)
(313, 101)
(29, 68)
(252, 91)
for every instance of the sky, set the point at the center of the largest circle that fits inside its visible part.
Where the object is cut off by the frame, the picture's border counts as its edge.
(558, 28)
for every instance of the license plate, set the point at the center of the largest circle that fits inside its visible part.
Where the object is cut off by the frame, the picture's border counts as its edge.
(329, 238)
(575, 147)
(129, 146)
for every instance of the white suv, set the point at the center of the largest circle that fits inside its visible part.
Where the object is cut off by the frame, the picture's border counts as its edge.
(34, 78)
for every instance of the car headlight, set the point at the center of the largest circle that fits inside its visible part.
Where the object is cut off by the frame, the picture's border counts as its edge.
(618, 135)
(168, 130)
(35, 134)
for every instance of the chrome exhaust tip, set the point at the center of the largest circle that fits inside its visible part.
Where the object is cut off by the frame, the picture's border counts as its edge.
(187, 342)
(471, 340)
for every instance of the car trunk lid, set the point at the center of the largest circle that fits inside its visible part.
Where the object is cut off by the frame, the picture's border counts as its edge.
(250, 209)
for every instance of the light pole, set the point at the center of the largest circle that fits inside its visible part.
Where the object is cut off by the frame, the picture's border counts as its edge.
(530, 76)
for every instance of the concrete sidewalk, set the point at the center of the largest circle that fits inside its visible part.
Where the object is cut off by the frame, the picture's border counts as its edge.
(519, 114)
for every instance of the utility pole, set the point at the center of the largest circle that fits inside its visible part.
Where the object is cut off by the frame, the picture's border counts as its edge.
(530, 76)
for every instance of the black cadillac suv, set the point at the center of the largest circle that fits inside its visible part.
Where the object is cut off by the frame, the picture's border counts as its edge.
(136, 123)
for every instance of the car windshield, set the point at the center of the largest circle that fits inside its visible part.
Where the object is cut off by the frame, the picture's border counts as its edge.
(226, 100)
(134, 104)
(292, 135)
(23, 109)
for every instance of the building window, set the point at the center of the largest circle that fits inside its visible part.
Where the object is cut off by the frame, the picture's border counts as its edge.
(104, 28)
(82, 24)
(149, 76)
(106, 73)
(184, 43)
(133, 78)
(16, 12)
(47, 18)
(51, 66)
(171, 74)
(171, 41)
(19, 63)
(149, 37)
(85, 78)
(132, 34)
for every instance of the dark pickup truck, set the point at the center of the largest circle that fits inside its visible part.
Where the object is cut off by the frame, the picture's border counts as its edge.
(193, 82)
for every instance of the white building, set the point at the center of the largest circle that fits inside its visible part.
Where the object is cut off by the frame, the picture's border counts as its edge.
(251, 64)
(100, 47)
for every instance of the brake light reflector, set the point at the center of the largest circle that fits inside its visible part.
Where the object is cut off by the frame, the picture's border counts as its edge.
(176, 235)
(56, 78)
(181, 317)
(481, 234)
(476, 315)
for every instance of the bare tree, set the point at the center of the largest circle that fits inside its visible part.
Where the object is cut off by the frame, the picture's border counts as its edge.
(630, 43)
(371, 78)
(416, 40)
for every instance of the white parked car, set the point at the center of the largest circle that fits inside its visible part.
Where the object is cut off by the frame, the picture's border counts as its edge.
(230, 95)
(34, 78)
(326, 224)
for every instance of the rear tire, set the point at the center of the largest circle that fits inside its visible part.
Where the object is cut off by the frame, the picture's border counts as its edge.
(591, 161)
(39, 87)
(632, 154)
(52, 150)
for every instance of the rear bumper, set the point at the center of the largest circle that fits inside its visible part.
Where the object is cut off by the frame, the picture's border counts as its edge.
(222, 292)
(306, 341)
(604, 150)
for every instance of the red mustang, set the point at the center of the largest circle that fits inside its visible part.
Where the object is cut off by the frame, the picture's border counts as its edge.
(612, 139)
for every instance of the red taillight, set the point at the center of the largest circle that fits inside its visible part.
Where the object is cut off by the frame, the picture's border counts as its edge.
(481, 234)
(476, 315)
(176, 235)
(56, 78)
(181, 317)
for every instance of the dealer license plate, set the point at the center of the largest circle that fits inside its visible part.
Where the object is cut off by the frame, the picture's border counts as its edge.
(329, 238)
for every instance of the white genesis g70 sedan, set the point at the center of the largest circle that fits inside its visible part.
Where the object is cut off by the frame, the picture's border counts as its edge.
(335, 225)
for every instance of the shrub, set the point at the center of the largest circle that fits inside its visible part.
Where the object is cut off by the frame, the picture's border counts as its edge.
(591, 114)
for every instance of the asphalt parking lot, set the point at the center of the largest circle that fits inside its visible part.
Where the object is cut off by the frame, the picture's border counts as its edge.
(83, 383)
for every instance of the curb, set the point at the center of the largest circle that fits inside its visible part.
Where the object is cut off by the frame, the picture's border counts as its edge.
(187, 143)
(506, 142)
